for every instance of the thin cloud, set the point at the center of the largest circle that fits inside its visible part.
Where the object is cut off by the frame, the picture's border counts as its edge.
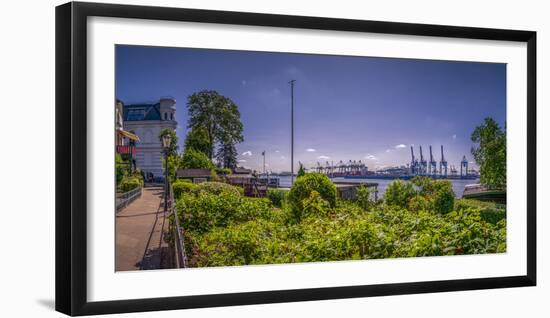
(400, 146)
(241, 160)
(370, 157)
(323, 157)
(454, 137)
(247, 153)
(310, 150)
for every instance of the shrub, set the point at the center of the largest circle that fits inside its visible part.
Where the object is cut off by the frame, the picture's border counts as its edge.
(182, 186)
(439, 192)
(443, 196)
(215, 188)
(364, 197)
(205, 211)
(304, 186)
(420, 203)
(399, 193)
(315, 205)
(223, 171)
(277, 197)
(193, 159)
(130, 183)
(489, 211)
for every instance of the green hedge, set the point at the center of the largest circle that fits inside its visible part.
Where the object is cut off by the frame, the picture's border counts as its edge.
(302, 192)
(130, 183)
(182, 186)
(489, 211)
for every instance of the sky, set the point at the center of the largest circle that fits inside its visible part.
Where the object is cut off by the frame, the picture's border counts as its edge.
(360, 108)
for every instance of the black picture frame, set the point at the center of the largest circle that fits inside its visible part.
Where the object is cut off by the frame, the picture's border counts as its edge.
(71, 157)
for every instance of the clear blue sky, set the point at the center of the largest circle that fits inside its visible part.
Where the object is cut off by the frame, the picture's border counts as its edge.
(358, 108)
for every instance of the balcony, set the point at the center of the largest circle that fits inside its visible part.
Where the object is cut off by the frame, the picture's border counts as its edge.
(129, 151)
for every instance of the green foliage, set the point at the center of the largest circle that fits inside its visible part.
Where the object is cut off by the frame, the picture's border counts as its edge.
(490, 155)
(420, 203)
(314, 205)
(197, 139)
(304, 186)
(173, 148)
(130, 183)
(215, 188)
(192, 159)
(121, 168)
(218, 115)
(437, 195)
(223, 171)
(182, 186)
(227, 155)
(364, 199)
(399, 193)
(202, 211)
(277, 197)
(301, 171)
(489, 211)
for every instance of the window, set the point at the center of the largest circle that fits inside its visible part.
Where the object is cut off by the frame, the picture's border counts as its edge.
(171, 116)
(165, 116)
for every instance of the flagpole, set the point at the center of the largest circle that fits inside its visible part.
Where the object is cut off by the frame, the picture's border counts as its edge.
(292, 132)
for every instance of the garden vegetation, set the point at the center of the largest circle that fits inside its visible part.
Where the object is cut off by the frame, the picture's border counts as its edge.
(310, 224)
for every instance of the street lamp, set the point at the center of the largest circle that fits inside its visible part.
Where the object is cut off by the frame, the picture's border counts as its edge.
(166, 140)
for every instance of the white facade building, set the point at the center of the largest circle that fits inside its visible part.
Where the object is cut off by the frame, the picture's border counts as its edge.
(147, 121)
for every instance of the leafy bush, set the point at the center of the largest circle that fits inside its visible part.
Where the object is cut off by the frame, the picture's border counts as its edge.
(304, 186)
(223, 171)
(200, 213)
(130, 183)
(438, 192)
(489, 211)
(364, 197)
(182, 186)
(399, 193)
(215, 188)
(193, 159)
(314, 205)
(277, 196)
(420, 203)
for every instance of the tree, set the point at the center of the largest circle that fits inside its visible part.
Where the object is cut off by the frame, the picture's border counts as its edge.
(490, 155)
(173, 148)
(197, 139)
(193, 159)
(227, 155)
(301, 171)
(218, 115)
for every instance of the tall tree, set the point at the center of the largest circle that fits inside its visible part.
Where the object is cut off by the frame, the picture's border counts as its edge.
(218, 115)
(173, 148)
(490, 154)
(227, 155)
(197, 139)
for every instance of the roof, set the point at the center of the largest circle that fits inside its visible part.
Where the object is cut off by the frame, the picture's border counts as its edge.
(193, 173)
(138, 112)
(128, 135)
(240, 170)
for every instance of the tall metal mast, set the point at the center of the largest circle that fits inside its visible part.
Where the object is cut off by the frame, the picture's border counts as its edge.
(292, 132)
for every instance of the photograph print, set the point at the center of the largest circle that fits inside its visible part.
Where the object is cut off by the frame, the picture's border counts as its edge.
(231, 158)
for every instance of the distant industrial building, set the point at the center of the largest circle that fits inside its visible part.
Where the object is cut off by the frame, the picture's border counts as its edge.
(147, 120)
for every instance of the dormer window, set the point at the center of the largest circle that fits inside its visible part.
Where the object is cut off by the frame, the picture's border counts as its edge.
(171, 116)
(165, 116)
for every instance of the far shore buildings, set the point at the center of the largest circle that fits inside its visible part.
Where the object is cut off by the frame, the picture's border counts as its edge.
(147, 120)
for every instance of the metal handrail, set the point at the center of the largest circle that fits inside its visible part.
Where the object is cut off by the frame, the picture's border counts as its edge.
(126, 198)
(179, 245)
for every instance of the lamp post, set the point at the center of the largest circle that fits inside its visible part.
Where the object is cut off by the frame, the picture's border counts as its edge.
(166, 140)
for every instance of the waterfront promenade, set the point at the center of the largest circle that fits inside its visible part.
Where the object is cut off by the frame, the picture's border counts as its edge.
(140, 228)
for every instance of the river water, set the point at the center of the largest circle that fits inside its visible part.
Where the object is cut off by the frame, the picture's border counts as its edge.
(458, 184)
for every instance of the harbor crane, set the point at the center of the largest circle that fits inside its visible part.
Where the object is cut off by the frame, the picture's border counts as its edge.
(423, 163)
(414, 163)
(443, 165)
(432, 168)
(464, 167)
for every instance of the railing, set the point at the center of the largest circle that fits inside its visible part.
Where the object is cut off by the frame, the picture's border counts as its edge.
(124, 199)
(179, 245)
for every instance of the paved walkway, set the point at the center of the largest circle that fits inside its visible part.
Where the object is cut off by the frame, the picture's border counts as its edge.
(139, 233)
